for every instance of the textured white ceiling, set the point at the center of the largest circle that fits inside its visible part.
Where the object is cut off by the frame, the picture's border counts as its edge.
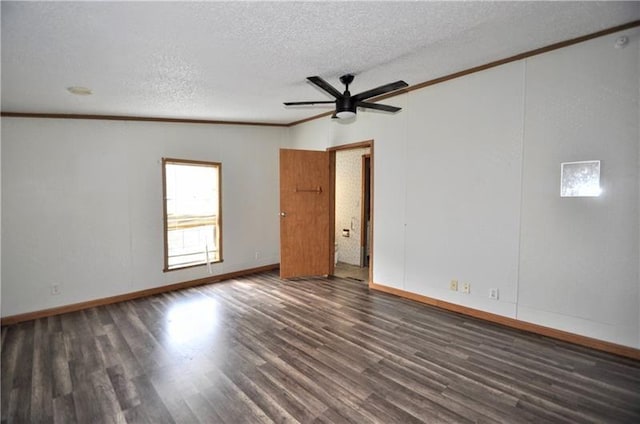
(239, 61)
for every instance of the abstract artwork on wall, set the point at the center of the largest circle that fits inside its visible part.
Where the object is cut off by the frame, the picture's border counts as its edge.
(580, 179)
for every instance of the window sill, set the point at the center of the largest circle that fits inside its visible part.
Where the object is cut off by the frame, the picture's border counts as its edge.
(190, 266)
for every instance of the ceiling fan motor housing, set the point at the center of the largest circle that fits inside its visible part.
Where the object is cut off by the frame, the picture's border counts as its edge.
(346, 103)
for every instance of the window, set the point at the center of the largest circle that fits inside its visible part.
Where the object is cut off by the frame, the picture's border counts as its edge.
(192, 221)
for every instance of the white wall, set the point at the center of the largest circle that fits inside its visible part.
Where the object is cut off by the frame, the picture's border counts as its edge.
(82, 205)
(579, 266)
(464, 184)
(466, 187)
(348, 204)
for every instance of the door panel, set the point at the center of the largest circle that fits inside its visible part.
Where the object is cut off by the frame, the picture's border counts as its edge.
(306, 213)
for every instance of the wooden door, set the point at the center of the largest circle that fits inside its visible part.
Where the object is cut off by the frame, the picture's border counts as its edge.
(306, 213)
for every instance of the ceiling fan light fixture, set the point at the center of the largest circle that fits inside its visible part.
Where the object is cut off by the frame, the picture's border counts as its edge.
(345, 114)
(345, 107)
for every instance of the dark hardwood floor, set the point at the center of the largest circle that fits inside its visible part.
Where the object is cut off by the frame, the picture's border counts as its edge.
(258, 349)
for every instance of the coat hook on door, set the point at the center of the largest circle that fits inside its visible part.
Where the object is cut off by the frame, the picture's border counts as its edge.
(310, 190)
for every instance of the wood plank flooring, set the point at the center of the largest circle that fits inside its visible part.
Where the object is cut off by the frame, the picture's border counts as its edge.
(261, 350)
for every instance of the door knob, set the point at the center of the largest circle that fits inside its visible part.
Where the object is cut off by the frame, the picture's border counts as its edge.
(283, 214)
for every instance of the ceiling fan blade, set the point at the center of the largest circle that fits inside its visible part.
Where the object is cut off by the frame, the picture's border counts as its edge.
(325, 86)
(380, 90)
(378, 106)
(320, 102)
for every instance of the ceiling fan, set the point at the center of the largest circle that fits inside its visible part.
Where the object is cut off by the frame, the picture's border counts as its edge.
(346, 104)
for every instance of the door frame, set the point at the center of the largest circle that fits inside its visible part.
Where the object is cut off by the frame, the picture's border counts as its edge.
(351, 146)
(365, 194)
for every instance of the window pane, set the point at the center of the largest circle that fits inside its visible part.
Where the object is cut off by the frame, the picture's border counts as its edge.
(191, 213)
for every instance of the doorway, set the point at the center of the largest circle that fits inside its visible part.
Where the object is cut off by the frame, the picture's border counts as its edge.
(309, 233)
(353, 224)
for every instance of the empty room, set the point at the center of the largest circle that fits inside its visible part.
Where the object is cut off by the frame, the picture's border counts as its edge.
(320, 212)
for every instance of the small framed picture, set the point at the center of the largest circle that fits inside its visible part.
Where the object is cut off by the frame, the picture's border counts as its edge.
(580, 179)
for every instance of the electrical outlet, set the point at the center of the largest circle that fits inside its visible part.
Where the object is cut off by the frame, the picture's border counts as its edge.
(493, 294)
(466, 288)
(55, 289)
(257, 255)
(453, 285)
